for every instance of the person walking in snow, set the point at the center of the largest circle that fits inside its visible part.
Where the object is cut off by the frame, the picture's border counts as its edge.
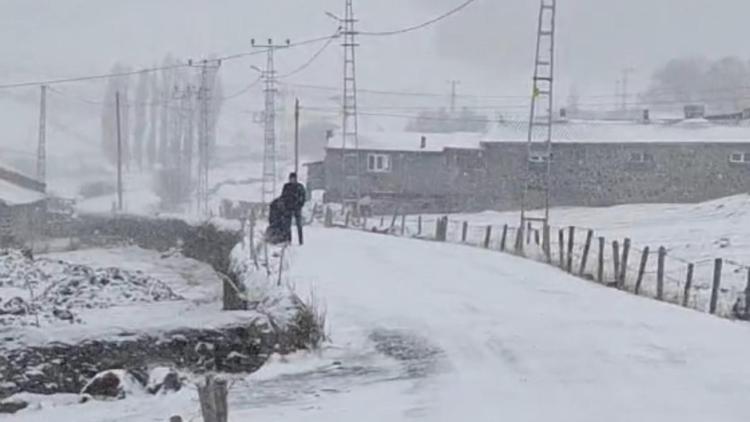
(294, 197)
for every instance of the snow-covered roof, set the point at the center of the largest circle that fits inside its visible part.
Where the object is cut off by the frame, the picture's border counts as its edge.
(412, 141)
(572, 131)
(579, 131)
(11, 194)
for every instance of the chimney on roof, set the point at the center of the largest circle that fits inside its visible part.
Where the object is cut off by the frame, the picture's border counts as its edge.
(423, 142)
(646, 115)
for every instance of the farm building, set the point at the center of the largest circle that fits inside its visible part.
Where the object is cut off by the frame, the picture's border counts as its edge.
(22, 207)
(593, 164)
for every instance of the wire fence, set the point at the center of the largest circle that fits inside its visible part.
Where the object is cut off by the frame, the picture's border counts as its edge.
(714, 285)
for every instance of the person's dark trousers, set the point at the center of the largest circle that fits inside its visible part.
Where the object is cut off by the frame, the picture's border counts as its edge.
(297, 214)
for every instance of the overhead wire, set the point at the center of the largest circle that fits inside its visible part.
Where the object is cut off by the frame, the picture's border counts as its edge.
(182, 65)
(314, 57)
(425, 24)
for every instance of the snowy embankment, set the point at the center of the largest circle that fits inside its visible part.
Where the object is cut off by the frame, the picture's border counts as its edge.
(440, 332)
(67, 321)
(690, 233)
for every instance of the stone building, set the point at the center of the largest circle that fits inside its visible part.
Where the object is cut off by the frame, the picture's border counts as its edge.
(22, 208)
(593, 164)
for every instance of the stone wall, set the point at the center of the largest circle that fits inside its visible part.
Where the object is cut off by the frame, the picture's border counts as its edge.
(65, 368)
(583, 174)
(604, 174)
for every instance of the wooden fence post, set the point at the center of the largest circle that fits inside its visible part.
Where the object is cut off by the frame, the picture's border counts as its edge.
(393, 221)
(718, 264)
(746, 311)
(688, 285)
(329, 217)
(403, 224)
(624, 264)
(487, 237)
(561, 242)
(616, 258)
(600, 269)
(546, 246)
(348, 216)
(641, 270)
(382, 221)
(528, 232)
(504, 238)
(519, 241)
(464, 231)
(213, 399)
(437, 228)
(253, 252)
(571, 244)
(419, 226)
(586, 248)
(536, 236)
(660, 273)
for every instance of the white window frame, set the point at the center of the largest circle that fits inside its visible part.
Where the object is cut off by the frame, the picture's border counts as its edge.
(641, 157)
(539, 157)
(378, 163)
(744, 157)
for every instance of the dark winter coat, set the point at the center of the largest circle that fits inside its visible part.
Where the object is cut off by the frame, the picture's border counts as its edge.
(294, 196)
(279, 223)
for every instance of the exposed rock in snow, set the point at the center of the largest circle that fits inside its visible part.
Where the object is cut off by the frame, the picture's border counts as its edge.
(116, 383)
(162, 380)
(12, 405)
(52, 290)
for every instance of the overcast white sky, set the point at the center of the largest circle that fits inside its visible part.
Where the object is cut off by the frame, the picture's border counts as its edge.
(489, 47)
(493, 38)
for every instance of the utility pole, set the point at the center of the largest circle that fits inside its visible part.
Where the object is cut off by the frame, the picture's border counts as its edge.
(453, 83)
(350, 181)
(119, 152)
(269, 120)
(208, 71)
(536, 191)
(41, 152)
(296, 135)
(625, 79)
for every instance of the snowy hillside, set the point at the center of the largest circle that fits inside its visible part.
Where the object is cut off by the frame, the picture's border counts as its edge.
(690, 233)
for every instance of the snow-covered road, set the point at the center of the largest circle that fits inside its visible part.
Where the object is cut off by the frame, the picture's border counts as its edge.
(440, 332)
(522, 341)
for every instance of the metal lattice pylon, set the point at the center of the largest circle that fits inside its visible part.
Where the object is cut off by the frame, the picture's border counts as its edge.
(351, 191)
(535, 201)
(209, 69)
(269, 130)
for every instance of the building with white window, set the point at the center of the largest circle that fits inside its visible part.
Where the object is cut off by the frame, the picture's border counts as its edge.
(593, 163)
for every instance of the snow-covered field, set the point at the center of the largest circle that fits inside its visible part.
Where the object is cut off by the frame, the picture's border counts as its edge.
(691, 233)
(440, 332)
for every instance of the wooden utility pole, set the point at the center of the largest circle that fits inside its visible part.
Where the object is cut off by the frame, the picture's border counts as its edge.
(296, 136)
(119, 152)
(41, 158)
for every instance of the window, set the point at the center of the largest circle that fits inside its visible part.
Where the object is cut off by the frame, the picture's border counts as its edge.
(539, 157)
(739, 157)
(378, 163)
(640, 157)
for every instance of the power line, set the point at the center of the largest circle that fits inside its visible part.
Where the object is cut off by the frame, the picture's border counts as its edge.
(243, 90)
(91, 77)
(407, 93)
(432, 21)
(149, 69)
(314, 57)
